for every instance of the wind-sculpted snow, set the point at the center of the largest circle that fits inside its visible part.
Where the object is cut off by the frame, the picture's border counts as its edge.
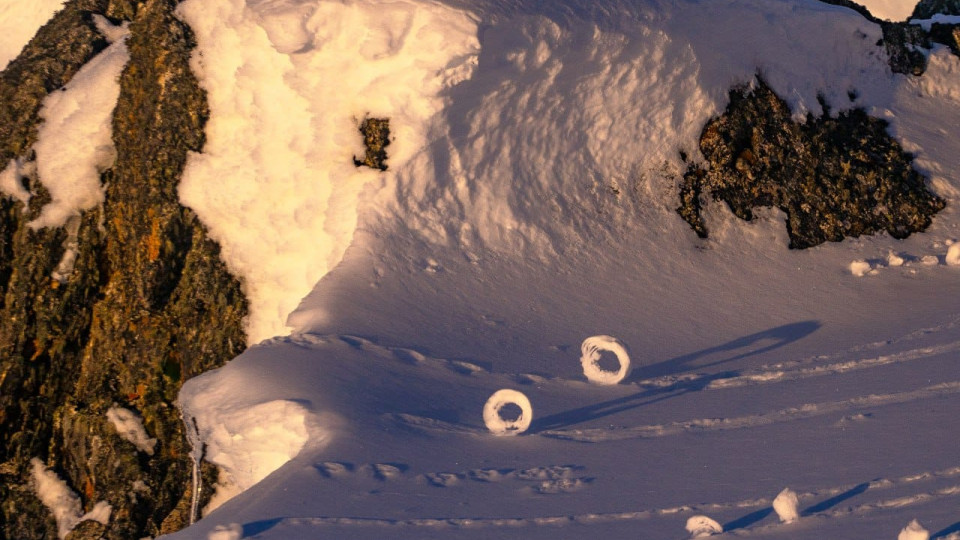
(528, 202)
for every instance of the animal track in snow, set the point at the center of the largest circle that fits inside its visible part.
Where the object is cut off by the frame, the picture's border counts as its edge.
(545, 480)
(378, 471)
(913, 483)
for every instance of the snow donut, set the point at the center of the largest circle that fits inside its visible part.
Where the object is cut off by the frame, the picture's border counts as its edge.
(496, 424)
(591, 359)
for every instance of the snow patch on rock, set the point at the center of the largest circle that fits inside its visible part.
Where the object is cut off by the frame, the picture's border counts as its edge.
(75, 141)
(62, 501)
(130, 426)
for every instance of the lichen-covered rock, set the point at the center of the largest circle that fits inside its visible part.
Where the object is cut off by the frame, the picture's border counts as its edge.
(928, 8)
(834, 176)
(376, 138)
(147, 305)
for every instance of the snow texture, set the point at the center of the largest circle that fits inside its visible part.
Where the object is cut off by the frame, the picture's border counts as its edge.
(19, 22)
(492, 412)
(590, 359)
(703, 526)
(62, 501)
(785, 505)
(233, 531)
(530, 197)
(247, 439)
(276, 183)
(130, 426)
(74, 142)
(914, 531)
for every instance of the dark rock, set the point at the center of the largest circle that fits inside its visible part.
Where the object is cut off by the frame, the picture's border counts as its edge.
(946, 34)
(928, 8)
(376, 138)
(834, 177)
(148, 304)
(903, 43)
(87, 530)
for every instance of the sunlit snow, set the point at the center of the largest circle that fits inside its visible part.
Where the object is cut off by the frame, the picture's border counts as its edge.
(529, 203)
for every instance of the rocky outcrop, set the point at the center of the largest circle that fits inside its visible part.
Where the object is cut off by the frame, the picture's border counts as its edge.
(928, 8)
(905, 43)
(834, 176)
(147, 305)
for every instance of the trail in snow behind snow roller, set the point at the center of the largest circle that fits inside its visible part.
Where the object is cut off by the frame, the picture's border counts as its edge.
(394, 446)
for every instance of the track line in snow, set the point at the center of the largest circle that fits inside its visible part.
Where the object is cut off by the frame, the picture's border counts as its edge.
(808, 410)
(919, 498)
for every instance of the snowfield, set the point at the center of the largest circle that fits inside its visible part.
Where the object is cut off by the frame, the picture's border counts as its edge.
(529, 205)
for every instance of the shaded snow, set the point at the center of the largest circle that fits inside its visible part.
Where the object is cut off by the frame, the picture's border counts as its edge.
(529, 202)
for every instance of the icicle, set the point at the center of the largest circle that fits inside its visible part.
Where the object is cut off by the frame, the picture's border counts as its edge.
(197, 449)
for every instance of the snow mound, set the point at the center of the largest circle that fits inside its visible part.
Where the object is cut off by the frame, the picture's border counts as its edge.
(246, 438)
(785, 505)
(914, 531)
(703, 526)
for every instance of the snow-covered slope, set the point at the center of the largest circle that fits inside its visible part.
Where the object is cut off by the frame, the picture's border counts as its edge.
(529, 204)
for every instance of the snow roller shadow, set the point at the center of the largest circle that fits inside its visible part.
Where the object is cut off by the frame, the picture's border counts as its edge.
(769, 339)
(579, 415)
(781, 335)
(946, 532)
(761, 514)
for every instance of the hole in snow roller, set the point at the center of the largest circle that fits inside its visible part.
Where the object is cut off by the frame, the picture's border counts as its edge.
(493, 412)
(591, 356)
(376, 138)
